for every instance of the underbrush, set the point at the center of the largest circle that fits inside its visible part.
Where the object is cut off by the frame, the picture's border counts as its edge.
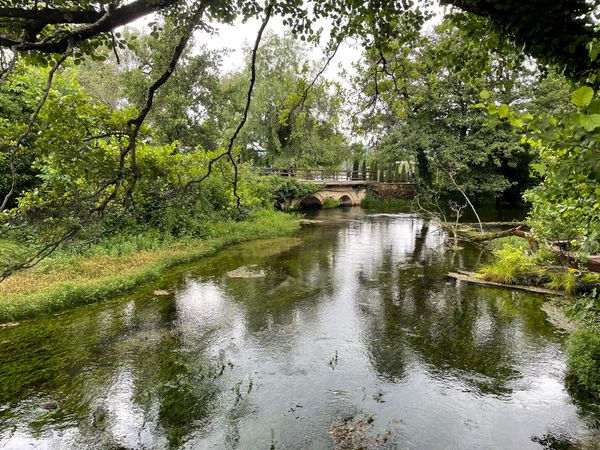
(387, 204)
(123, 261)
(511, 264)
(583, 352)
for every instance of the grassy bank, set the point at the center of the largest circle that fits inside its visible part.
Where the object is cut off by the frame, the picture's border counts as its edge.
(121, 263)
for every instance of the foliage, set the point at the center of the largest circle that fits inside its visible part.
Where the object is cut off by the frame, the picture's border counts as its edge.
(556, 31)
(583, 351)
(415, 93)
(374, 202)
(586, 308)
(565, 205)
(511, 263)
(284, 190)
(289, 125)
(330, 202)
(565, 281)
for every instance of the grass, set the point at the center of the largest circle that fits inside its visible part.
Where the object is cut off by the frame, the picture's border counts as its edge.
(120, 264)
(511, 263)
(563, 281)
(330, 202)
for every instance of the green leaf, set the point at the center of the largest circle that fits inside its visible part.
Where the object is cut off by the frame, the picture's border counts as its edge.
(485, 94)
(590, 122)
(582, 96)
(538, 168)
(503, 111)
(517, 123)
(594, 107)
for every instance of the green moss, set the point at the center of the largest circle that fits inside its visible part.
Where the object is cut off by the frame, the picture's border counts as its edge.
(69, 293)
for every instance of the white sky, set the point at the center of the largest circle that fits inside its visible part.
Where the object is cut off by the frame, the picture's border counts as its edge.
(234, 38)
(240, 35)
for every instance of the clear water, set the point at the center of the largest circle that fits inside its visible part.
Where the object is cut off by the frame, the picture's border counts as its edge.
(347, 335)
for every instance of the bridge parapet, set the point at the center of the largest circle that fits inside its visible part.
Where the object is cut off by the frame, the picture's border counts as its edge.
(327, 175)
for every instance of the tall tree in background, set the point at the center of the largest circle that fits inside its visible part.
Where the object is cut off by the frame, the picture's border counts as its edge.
(295, 116)
(416, 98)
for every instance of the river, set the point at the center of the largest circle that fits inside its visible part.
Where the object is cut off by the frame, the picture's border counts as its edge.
(347, 335)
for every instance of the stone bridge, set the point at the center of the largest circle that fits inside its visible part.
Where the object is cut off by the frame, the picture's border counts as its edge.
(347, 193)
(352, 193)
(344, 186)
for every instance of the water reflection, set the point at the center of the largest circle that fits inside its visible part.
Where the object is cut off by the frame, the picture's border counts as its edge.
(353, 318)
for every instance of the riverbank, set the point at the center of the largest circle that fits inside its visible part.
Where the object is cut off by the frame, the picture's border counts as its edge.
(65, 281)
(515, 266)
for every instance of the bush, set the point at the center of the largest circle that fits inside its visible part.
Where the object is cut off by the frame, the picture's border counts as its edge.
(284, 190)
(388, 204)
(563, 281)
(583, 352)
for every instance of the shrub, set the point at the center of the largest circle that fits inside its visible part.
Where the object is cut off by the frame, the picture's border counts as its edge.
(284, 190)
(583, 353)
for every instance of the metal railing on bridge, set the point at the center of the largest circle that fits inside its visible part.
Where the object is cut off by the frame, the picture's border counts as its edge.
(331, 175)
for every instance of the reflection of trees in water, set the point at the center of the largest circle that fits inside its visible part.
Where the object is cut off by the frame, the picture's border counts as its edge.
(97, 367)
(476, 332)
(295, 280)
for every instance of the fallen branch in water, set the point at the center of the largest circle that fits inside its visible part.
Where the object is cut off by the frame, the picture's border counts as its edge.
(475, 236)
(470, 278)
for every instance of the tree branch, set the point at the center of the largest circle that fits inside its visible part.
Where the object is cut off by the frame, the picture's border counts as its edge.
(229, 152)
(102, 21)
(134, 125)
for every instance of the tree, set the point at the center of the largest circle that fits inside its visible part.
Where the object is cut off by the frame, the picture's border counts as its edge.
(565, 204)
(417, 100)
(555, 30)
(295, 117)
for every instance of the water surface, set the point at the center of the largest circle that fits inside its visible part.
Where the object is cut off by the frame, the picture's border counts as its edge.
(347, 335)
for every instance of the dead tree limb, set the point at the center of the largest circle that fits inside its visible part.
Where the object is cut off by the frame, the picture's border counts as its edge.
(491, 235)
(467, 199)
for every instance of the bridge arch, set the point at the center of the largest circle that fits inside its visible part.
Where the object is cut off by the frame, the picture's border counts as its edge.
(347, 200)
(312, 201)
(317, 200)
